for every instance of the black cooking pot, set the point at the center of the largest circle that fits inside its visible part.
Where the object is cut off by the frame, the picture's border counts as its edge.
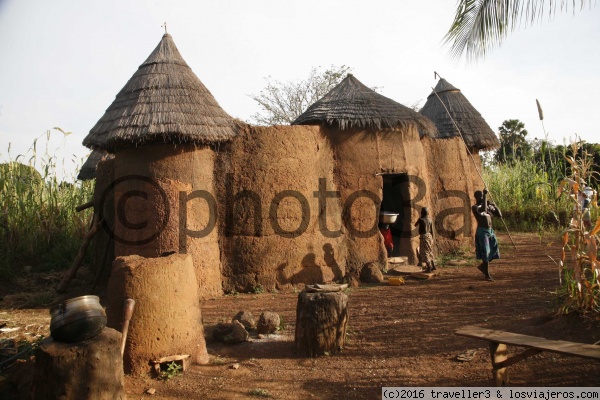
(77, 319)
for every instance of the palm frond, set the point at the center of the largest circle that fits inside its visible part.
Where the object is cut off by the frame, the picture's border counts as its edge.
(480, 26)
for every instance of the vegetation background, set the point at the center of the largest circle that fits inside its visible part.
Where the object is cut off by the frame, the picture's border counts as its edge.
(41, 231)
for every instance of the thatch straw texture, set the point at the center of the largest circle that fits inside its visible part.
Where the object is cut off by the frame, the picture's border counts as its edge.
(475, 131)
(352, 105)
(88, 169)
(164, 101)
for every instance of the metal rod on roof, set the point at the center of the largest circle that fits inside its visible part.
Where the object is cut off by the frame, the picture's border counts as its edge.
(164, 26)
(472, 159)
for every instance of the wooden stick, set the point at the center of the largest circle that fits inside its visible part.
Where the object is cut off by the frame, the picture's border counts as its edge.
(85, 206)
(79, 258)
(102, 266)
(127, 313)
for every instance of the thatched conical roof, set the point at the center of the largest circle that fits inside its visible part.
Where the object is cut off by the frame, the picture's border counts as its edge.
(353, 105)
(88, 169)
(165, 102)
(475, 131)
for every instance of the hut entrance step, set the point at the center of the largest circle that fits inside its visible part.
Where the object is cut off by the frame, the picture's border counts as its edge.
(411, 271)
(396, 261)
(403, 269)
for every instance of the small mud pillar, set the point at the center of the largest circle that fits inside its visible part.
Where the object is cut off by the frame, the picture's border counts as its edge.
(92, 369)
(167, 319)
(321, 320)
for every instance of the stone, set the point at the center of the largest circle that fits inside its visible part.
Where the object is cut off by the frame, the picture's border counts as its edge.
(268, 322)
(352, 280)
(245, 318)
(371, 273)
(239, 333)
(230, 333)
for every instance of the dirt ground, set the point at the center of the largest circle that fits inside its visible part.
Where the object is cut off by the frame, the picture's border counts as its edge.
(397, 336)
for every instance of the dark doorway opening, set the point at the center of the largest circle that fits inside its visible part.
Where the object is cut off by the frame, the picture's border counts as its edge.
(396, 199)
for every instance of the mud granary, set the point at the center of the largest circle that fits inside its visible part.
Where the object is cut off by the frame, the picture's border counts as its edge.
(275, 206)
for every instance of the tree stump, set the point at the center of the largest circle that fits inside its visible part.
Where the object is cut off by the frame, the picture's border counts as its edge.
(321, 320)
(92, 369)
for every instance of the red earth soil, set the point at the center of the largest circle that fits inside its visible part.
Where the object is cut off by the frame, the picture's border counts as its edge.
(397, 336)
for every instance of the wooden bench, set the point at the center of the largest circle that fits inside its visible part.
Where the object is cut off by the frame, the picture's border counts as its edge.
(535, 345)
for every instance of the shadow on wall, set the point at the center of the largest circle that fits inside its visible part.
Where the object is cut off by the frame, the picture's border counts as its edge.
(329, 256)
(310, 271)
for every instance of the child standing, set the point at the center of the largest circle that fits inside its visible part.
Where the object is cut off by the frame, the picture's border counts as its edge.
(387, 238)
(426, 241)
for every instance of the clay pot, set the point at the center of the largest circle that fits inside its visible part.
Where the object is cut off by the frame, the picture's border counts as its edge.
(77, 319)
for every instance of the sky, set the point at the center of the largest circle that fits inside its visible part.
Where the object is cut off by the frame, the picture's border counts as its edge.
(63, 61)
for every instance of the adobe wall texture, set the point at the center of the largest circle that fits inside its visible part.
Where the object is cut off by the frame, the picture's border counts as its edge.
(167, 320)
(273, 225)
(361, 157)
(452, 181)
(287, 205)
(170, 218)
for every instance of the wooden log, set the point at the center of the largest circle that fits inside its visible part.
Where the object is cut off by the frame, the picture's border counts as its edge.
(92, 369)
(84, 206)
(62, 286)
(321, 320)
(499, 353)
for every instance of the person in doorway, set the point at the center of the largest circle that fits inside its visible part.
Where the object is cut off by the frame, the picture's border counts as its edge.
(486, 243)
(388, 241)
(426, 241)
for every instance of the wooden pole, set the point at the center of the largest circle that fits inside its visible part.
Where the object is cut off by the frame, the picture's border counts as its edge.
(102, 266)
(127, 313)
(79, 258)
(85, 206)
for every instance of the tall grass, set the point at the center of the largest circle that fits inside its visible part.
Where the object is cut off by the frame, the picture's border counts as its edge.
(538, 194)
(39, 226)
(525, 191)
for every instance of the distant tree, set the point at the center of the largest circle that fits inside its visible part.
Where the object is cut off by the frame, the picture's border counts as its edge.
(593, 155)
(513, 142)
(481, 25)
(282, 102)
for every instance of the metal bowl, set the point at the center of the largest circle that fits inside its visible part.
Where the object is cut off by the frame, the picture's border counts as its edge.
(77, 319)
(386, 217)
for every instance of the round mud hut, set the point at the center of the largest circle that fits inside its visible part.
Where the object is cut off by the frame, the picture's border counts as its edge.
(164, 128)
(461, 130)
(453, 115)
(380, 166)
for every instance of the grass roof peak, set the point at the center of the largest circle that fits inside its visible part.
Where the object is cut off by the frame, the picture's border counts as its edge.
(476, 132)
(352, 105)
(163, 102)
